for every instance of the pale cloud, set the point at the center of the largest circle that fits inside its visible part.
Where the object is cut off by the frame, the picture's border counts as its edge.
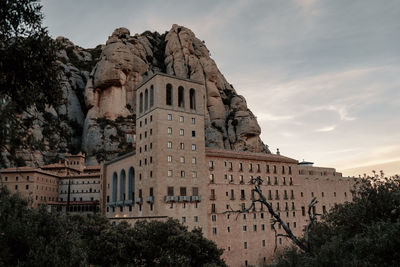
(326, 129)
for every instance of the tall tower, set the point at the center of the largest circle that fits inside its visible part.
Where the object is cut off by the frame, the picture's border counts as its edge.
(170, 149)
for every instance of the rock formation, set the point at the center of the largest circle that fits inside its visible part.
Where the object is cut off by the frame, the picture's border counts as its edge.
(99, 110)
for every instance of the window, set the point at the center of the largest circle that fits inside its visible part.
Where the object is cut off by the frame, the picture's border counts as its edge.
(212, 178)
(181, 97)
(245, 246)
(169, 95)
(244, 228)
(170, 173)
(181, 119)
(263, 243)
(182, 191)
(16, 187)
(169, 158)
(194, 174)
(214, 230)
(169, 144)
(193, 133)
(146, 100)
(193, 121)
(196, 218)
(182, 159)
(262, 227)
(170, 117)
(170, 191)
(114, 187)
(214, 218)
(193, 147)
(303, 211)
(211, 164)
(195, 191)
(194, 160)
(169, 131)
(182, 146)
(255, 228)
(141, 103)
(182, 174)
(181, 132)
(192, 97)
(27, 186)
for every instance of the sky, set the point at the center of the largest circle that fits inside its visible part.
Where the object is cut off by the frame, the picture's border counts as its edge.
(322, 77)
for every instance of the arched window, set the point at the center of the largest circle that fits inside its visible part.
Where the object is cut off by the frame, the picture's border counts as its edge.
(151, 96)
(131, 184)
(114, 187)
(122, 181)
(146, 100)
(192, 95)
(169, 95)
(141, 103)
(181, 97)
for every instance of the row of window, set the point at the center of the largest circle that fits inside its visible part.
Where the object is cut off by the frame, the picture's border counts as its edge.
(230, 178)
(181, 97)
(65, 182)
(145, 121)
(146, 99)
(170, 173)
(181, 119)
(182, 191)
(52, 181)
(322, 194)
(80, 191)
(231, 194)
(254, 167)
(44, 188)
(75, 199)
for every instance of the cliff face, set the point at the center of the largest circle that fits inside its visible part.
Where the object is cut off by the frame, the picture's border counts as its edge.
(100, 99)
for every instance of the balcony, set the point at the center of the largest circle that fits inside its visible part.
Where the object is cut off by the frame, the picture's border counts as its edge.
(112, 204)
(150, 199)
(139, 200)
(119, 203)
(184, 198)
(128, 202)
(195, 198)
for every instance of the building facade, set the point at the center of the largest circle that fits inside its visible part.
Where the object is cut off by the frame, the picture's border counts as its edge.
(67, 186)
(173, 174)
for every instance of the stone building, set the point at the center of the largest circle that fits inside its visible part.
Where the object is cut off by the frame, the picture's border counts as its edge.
(68, 185)
(173, 174)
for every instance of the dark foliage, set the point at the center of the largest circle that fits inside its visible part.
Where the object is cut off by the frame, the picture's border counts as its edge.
(39, 238)
(364, 232)
(29, 74)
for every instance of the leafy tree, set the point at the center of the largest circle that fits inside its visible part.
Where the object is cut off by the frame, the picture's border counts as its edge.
(364, 232)
(29, 76)
(39, 238)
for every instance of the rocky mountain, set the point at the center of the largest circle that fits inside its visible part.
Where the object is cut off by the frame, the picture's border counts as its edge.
(100, 99)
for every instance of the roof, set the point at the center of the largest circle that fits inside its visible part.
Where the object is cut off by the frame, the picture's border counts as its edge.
(169, 76)
(248, 155)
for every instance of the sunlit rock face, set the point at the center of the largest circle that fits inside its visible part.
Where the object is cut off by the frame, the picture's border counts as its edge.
(99, 91)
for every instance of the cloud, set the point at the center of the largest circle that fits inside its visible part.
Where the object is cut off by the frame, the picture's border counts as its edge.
(326, 129)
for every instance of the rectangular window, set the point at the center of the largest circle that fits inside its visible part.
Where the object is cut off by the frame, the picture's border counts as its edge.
(244, 228)
(169, 158)
(169, 131)
(193, 147)
(182, 146)
(195, 191)
(196, 218)
(193, 120)
(181, 119)
(211, 164)
(170, 117)
(194, 160)
(245, 245)
(170, 190)
(194, 174)
(182, 190)
(181, 132)
(169, 144)
(182, 159)
(170, 173)
(193, 133)
(183, 219)
(214, 230)
(182, 174)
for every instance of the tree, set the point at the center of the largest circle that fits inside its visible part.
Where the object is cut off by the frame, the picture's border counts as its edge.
(360, 233)
(29, 77)
(39, 238)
